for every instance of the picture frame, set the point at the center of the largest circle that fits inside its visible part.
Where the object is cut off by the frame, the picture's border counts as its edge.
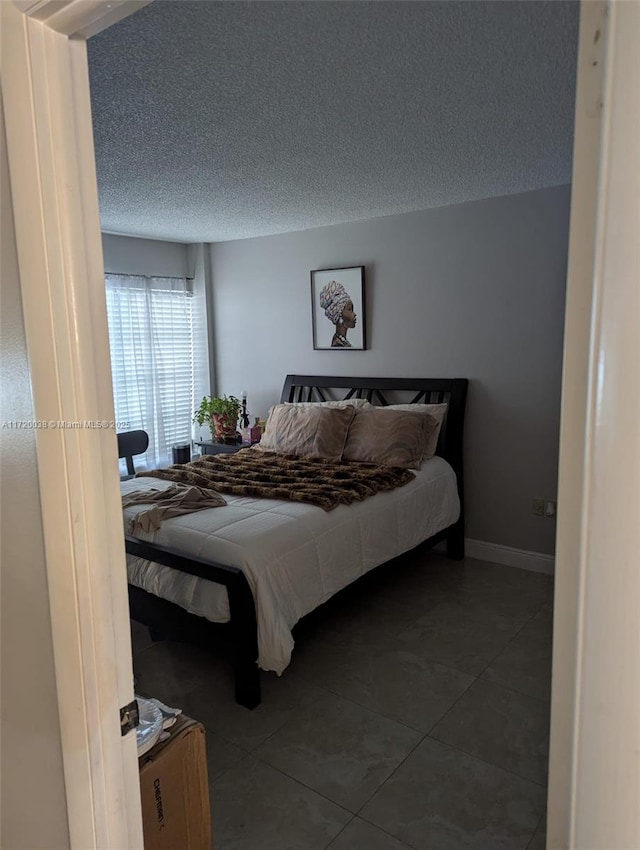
(338, 309)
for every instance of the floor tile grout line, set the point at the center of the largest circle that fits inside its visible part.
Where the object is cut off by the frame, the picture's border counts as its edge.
(475, 678)
(496, 656)
(358, 813)
(291, 778)
(294, 708)
(338, 834)
(447, 712)
(426, 658)
(425, 735)
(373, 793)
(303, 784)
(421, 732)
(332, 692)
(418, 743)
(391, 775)
(212, 782)
(253, 752)
(386, 716)
(383, 717)
(512, 689)
(403, 723)
(392, 720)
(385, 831)
(533, 834)
(450, 709)
(484, 761)
(510, 641)
(297, 782)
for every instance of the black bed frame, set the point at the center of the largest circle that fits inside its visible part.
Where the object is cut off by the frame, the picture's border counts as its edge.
(165, 619)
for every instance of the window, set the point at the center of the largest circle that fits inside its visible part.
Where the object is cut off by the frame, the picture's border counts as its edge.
(151, 336)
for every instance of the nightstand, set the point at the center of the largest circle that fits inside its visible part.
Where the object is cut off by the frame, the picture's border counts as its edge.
(218, 448)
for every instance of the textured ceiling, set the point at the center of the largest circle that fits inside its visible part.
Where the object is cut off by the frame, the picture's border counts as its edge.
(224, 120)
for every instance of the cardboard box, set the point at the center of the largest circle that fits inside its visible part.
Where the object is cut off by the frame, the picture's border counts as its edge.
(175, 791)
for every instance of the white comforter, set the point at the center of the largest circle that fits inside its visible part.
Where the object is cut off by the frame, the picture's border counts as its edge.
(295, 556)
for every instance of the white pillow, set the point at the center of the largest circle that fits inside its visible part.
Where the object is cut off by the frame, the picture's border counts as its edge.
(346, 402)
(438, 412)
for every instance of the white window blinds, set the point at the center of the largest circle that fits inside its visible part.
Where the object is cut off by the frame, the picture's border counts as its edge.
(152, 359)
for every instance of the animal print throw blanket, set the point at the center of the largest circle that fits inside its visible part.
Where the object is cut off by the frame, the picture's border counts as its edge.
(270, 475)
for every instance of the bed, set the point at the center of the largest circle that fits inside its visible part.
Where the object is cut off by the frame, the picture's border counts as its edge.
(256, 566)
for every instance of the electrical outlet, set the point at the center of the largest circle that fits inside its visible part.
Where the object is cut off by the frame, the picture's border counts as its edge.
(537, 507)
(549, 508)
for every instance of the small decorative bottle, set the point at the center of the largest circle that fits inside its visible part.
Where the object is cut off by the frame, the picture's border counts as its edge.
(255, 432)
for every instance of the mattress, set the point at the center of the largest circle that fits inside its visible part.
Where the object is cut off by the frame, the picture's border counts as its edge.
(295, 556)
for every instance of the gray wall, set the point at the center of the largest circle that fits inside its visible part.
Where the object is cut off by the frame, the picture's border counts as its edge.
(33, 803)
(474, 290)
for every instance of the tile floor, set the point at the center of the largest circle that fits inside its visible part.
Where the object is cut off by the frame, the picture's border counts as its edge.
(414, 716)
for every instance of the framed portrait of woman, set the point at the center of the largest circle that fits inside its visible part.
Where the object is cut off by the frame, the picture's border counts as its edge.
(337, 309)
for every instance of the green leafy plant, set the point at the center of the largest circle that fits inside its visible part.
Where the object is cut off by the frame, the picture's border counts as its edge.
(222, 406)
(221, 414)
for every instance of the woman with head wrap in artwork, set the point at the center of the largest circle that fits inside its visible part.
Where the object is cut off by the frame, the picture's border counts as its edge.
(338, 308)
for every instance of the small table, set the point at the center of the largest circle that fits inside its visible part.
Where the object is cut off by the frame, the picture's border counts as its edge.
(218, 448)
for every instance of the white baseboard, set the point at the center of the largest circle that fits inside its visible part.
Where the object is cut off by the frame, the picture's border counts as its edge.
(520, 558)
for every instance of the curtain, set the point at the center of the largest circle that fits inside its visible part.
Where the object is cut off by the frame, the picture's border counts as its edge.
(152, 359)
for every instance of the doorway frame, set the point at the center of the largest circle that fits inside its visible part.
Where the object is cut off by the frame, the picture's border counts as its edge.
(45, 83)
(594, 763)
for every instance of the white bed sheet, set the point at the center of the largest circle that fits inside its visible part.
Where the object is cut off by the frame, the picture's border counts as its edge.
(295, 556)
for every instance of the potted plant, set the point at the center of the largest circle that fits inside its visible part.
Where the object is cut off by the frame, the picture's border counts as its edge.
(221, 414)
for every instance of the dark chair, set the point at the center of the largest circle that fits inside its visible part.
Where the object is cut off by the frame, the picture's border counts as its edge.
(131, 443)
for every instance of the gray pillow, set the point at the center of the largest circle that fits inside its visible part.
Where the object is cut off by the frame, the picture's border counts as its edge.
(307, 430)
(389, 437)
